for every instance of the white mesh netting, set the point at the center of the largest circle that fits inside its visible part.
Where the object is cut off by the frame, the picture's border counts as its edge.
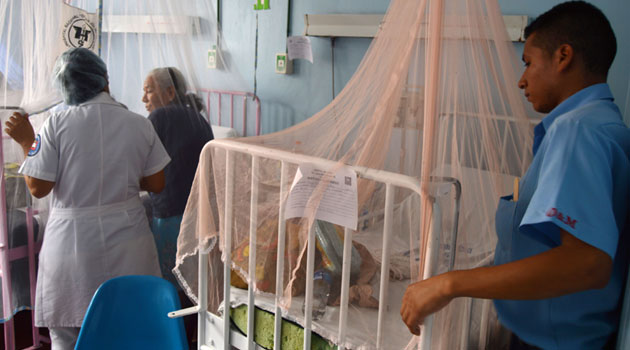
(132, 37)
(435, 98)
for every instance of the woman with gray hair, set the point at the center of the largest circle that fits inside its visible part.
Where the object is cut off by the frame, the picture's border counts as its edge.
(168, 87)
(183, 130)
(95, 157)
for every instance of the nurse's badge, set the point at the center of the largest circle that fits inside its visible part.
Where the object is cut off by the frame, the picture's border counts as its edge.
(35, 146)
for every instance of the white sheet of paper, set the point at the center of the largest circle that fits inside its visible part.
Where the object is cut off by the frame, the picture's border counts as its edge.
(339, 203)
(300, 47)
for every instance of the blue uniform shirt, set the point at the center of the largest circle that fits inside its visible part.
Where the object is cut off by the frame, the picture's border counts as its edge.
(578, 181)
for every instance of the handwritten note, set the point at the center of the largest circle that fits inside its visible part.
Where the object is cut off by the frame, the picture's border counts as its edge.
(338, 203)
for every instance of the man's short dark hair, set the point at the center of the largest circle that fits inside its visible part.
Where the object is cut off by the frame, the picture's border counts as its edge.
(581, 25)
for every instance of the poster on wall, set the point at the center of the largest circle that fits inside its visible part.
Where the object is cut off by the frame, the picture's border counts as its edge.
(76, 28)
(79, 28)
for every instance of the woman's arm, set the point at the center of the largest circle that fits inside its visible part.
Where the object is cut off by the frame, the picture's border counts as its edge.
(21, 130)
(153, 183)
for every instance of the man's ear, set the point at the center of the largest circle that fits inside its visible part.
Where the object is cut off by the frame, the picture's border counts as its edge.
(564, 57)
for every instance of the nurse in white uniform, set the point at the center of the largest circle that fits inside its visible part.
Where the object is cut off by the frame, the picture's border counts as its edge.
(95, 157)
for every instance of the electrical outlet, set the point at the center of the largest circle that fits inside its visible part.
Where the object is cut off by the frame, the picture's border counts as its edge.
(283, 64)
(213, 58)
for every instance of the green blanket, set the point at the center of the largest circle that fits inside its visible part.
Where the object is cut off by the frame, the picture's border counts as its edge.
(292, 334)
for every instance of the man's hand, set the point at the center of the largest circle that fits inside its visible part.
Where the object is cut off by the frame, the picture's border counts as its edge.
(21, 130)
(572, 267)
(423, 298)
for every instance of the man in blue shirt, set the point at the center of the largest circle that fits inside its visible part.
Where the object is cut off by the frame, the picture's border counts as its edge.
(561, 256)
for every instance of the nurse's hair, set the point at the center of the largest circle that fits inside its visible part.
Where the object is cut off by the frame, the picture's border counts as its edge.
(79, 74)
(166, 77)
(581, 25)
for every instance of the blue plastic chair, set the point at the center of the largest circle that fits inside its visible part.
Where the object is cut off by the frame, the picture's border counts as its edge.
(130, 312)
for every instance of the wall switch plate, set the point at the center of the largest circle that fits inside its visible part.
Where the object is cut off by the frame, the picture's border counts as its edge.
(283, 64)
(213, 58)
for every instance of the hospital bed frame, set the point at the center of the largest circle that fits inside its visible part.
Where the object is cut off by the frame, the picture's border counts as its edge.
(218, 94)
(8, 254)
(214, 332)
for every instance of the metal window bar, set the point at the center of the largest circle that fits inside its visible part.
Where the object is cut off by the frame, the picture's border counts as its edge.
(213, 333)
(308, 298)
(243, 95)
(251, 283)
(203, 297)
(227, 243)
(345, 281)
(277, 332)
(387, 232)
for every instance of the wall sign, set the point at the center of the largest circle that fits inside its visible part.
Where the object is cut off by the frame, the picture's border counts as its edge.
(261, 5)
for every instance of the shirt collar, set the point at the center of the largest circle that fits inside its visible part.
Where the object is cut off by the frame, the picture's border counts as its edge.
(102, 97)
(580, 98)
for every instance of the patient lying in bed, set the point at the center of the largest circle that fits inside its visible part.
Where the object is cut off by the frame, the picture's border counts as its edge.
(364, 284)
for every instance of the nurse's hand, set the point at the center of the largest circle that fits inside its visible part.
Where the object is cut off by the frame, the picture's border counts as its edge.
(21, 130)
(422, 299)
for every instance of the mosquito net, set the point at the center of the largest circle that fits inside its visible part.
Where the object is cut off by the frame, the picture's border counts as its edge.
(434, 98)
(133, 38)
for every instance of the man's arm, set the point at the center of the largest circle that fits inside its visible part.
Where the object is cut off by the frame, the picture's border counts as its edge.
(572, 267)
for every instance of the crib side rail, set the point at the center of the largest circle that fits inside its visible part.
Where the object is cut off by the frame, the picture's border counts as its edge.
(215, 334)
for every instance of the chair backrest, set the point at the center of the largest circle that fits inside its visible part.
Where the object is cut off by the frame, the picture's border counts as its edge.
(130, 312)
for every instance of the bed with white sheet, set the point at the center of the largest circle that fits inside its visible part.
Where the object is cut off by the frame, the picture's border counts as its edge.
(223, 132)
(349, 326)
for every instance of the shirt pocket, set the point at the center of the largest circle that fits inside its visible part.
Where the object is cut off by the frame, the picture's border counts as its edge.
(504, 225)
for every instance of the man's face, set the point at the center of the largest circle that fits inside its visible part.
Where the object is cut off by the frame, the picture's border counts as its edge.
(154, 97)
(539, 80)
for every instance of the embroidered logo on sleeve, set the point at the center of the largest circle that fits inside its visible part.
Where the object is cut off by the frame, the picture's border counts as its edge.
(553, 212)
(37, 144)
